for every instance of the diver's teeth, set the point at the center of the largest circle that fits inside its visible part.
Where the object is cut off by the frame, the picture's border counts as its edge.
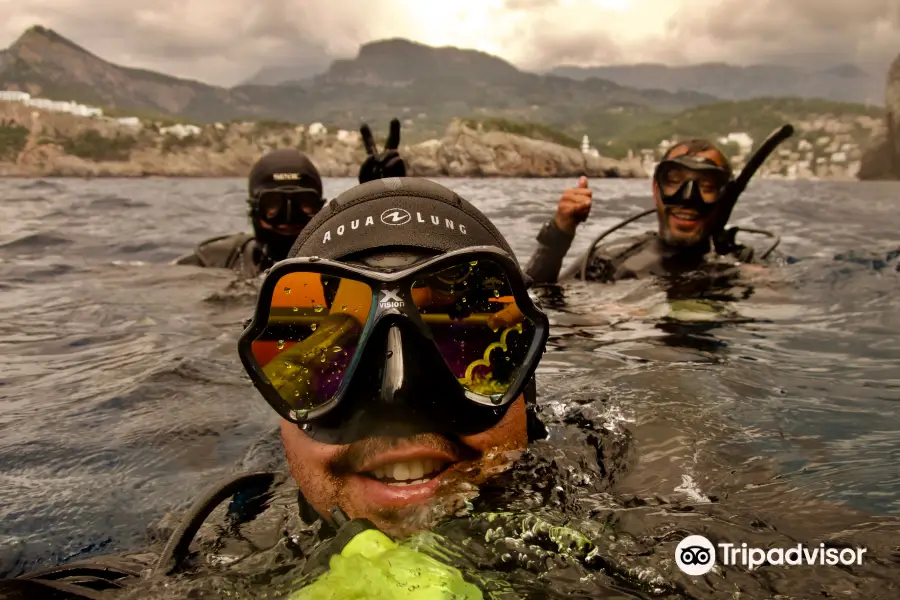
(400, 472)
(418, 470)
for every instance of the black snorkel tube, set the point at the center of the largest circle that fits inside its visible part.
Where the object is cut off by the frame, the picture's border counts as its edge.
(723, 240)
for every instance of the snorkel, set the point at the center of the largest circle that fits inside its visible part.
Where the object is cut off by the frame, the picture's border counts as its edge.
(724, 239)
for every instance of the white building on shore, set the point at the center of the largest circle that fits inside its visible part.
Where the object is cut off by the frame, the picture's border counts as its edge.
(73, 108)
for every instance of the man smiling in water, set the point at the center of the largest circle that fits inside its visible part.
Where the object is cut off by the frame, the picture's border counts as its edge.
(688, 187)
(406, 388)
(401, 360)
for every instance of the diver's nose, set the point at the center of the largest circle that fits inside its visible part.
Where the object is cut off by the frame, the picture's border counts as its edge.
(393, 378)
(687, 192)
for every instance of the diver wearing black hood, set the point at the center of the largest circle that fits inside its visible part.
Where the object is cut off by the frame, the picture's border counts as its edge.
(398, 343)
(284, 193)
(689, 186)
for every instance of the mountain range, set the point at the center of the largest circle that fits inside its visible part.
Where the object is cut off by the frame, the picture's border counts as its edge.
(388, 78)
(841, 83)
(424, 86)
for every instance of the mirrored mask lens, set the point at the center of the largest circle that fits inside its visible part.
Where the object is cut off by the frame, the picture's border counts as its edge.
(476, 325)
(311, 337)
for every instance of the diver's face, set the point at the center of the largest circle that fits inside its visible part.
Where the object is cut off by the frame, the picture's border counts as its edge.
(401, 484)
(288, 231)
(685, 226)
(272, 202)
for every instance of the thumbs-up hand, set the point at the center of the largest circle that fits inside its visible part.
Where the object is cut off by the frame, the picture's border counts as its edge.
(574, 206)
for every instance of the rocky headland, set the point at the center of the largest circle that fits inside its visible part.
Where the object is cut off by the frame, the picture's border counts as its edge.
(881, 160)
(43, 143)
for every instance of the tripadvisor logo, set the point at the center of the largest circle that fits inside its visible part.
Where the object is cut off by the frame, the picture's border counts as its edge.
(695, 555)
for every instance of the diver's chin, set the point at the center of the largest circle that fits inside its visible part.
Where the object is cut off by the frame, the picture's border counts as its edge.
(683, 232)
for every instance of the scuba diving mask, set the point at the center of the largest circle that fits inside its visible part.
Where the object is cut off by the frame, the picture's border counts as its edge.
(286, 205)
(349, 352)
(694, 182)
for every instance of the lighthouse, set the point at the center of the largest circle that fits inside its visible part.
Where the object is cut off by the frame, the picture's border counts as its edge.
(585, 144)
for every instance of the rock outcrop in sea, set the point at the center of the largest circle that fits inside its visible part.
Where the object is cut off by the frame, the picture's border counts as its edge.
(881, 160)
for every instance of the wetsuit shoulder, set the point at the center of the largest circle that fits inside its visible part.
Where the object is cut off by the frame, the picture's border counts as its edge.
(223, 252)
(605, 261)
(238, 252)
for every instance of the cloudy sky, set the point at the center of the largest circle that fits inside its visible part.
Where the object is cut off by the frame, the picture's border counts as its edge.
(224, 42)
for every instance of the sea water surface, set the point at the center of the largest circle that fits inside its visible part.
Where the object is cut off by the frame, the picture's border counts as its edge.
(122, 398)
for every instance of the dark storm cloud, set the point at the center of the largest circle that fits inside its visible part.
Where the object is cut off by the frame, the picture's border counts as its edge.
(810, 32)
(220, 42)
(225, 42)
(800, 32)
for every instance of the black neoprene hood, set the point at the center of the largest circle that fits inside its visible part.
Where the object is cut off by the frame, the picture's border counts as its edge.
(395, 213)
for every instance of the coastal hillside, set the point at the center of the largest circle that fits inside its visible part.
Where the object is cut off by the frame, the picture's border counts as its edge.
(41, 143)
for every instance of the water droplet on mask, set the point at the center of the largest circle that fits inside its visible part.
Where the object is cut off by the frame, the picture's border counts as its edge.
(336, 349)
(287, 290)
(495, 400)
(313, 326)
(296, 309)
(314, 259)
(280, 344)
(389, 354)
(496, 293)
(473, 263)
(300, 413)
(318, 308)
(343, 307)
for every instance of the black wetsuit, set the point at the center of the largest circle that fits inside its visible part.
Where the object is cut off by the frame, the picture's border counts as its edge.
(629, 258)
(240, 252)
(260, 531)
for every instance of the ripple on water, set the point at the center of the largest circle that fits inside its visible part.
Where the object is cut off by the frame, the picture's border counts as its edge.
(122, 394)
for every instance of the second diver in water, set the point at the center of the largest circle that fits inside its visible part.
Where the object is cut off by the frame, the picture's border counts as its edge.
(692, 209)
(284, 194)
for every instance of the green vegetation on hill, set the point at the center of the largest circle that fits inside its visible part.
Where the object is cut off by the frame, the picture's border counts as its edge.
(757, 118)
(91, 145)
(537, 131)
(13, 138)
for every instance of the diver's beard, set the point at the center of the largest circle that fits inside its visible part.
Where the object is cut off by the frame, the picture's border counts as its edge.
(459, 487)
(677, 239)
(455, 497)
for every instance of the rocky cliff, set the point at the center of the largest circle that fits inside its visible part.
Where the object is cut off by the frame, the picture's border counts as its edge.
(38, 144)
(882, 158)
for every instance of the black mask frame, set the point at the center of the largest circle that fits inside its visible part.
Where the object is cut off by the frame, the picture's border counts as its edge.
(689, 194)
(407, 315)
(289, 202)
